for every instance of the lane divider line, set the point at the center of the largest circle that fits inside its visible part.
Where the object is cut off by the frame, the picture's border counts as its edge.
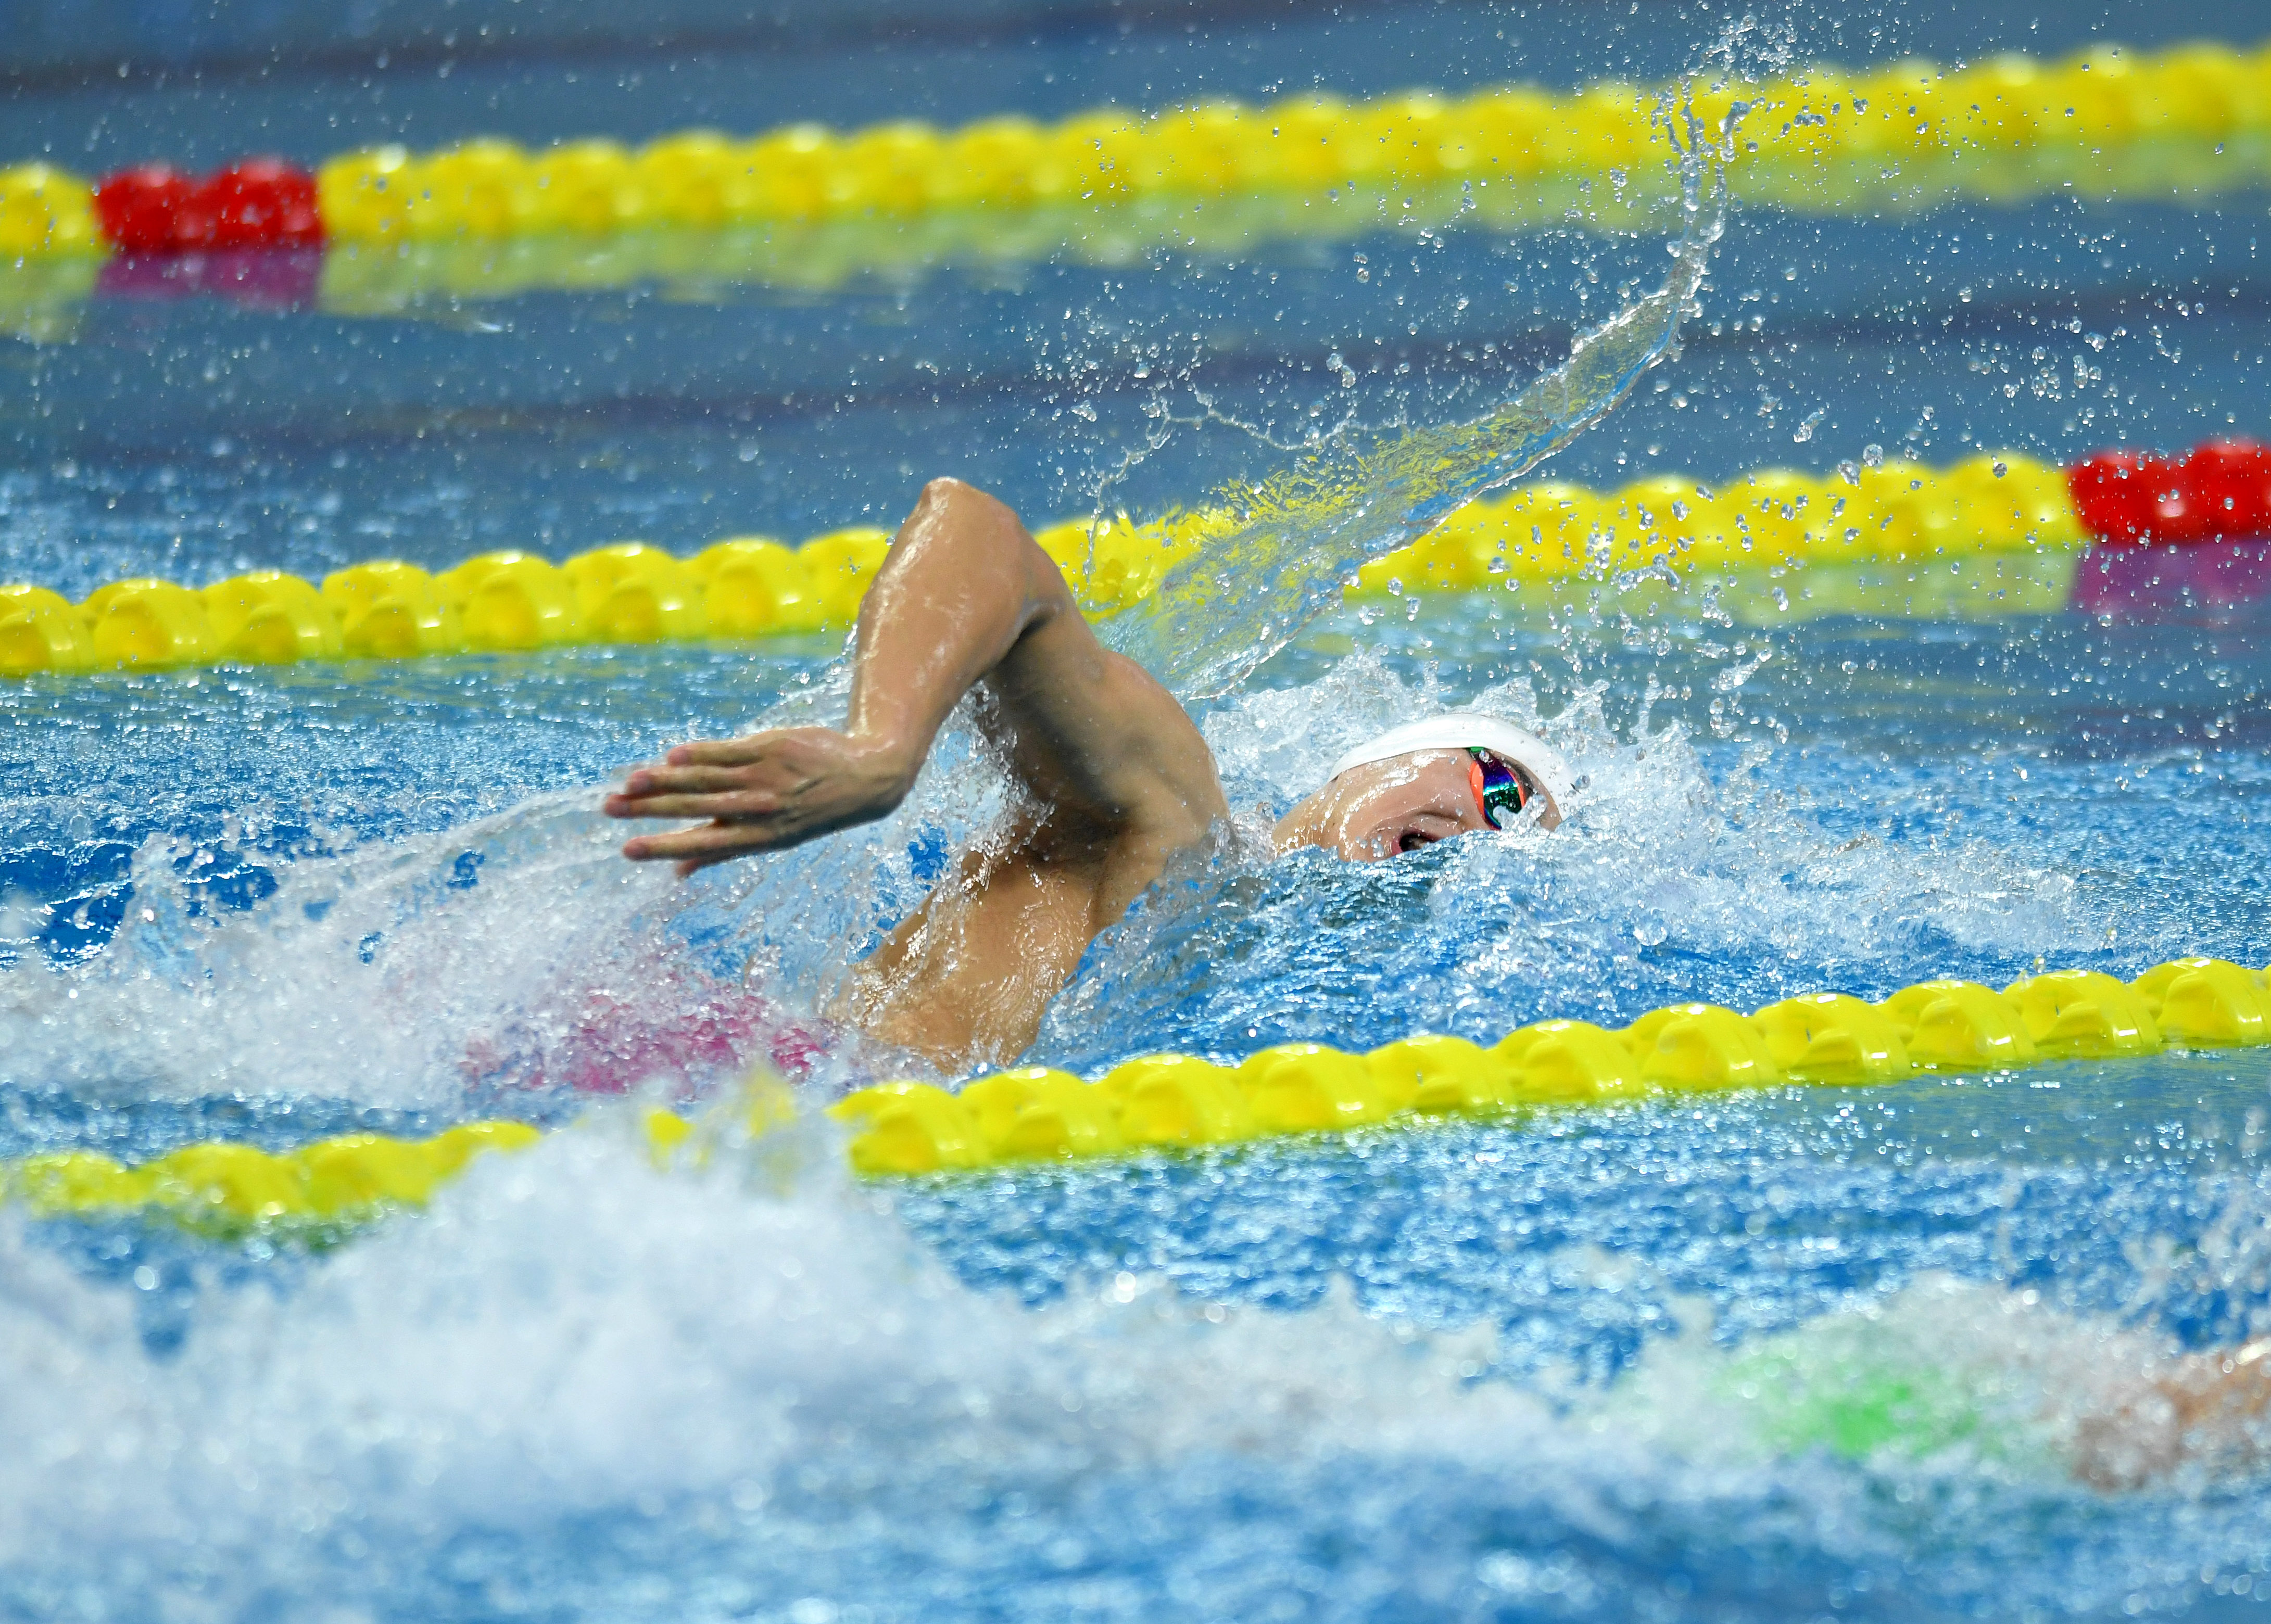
(2106, 121)
(1895, 512)
(1156, 1103)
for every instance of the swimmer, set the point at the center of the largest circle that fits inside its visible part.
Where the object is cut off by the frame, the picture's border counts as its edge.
(2209, 1412)
(1115, 780)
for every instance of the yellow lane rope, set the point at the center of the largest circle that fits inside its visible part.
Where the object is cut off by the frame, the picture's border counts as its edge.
(807, 206)
(1166, 1102)
(1773, 520)
(2022, 123)
(228, 1190)
(1828, 1038)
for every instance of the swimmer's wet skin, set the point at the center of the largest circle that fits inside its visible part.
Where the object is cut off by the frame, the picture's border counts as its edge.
(1116, 778)
(2208, 1409)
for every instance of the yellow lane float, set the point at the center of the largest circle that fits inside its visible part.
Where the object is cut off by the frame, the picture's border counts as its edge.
(228, 1190)
(2022, 125)
(810, 206)
(1823, 1039)
(1035, 1115)
(2008, 511)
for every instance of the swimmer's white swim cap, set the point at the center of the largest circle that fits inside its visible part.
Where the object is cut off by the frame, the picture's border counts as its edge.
(1460, 729)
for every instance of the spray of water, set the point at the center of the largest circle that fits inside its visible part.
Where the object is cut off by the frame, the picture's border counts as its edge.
(1278, 553)
(384, 974)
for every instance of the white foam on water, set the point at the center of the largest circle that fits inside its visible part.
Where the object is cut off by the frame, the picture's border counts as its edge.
(1652, 835)
(567, 1331)
(399, 975)
(570, 1334)
(1667, 881)
(382, 976)
(363, 976)
(1973, 1377)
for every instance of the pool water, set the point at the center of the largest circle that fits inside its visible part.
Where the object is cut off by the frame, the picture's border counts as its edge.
(1787, 1356)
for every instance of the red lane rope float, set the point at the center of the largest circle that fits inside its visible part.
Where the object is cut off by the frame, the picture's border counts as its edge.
(262, 202)
(2216, 492)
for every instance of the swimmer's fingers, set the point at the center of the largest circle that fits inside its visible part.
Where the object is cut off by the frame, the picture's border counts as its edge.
(719, 751)
(791, 763)
(780, 744)
(645, 785)
(650, 781)
(700, 846)
(733, 805)
(758, 794)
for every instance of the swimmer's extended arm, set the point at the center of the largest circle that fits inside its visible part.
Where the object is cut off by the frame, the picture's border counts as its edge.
(966, 597)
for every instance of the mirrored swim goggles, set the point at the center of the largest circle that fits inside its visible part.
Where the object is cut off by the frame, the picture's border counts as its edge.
(1500, 787)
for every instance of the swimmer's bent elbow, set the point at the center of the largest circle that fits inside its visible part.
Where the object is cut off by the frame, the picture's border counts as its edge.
(981, 534)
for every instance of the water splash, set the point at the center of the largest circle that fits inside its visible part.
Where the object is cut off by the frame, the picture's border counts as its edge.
(1282, 549)
(577, 1377)
(1671, 881)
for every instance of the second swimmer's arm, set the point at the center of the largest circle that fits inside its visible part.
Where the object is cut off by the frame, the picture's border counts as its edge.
(964, 597)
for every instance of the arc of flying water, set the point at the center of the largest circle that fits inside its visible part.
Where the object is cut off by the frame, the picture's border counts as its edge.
(1282, 550)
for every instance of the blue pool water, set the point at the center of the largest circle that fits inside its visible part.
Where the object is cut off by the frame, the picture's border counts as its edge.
(1556, 1370)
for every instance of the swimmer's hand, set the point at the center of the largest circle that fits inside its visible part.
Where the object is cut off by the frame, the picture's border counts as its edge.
(760, 793)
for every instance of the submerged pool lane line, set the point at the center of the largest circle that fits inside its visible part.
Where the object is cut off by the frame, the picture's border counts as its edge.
(1895, 512)
(1175, 1102)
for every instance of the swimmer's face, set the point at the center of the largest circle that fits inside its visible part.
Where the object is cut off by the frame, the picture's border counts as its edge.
(1384, 808)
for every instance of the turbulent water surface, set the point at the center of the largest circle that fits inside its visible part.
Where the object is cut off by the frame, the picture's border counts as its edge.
(1791, 1355)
